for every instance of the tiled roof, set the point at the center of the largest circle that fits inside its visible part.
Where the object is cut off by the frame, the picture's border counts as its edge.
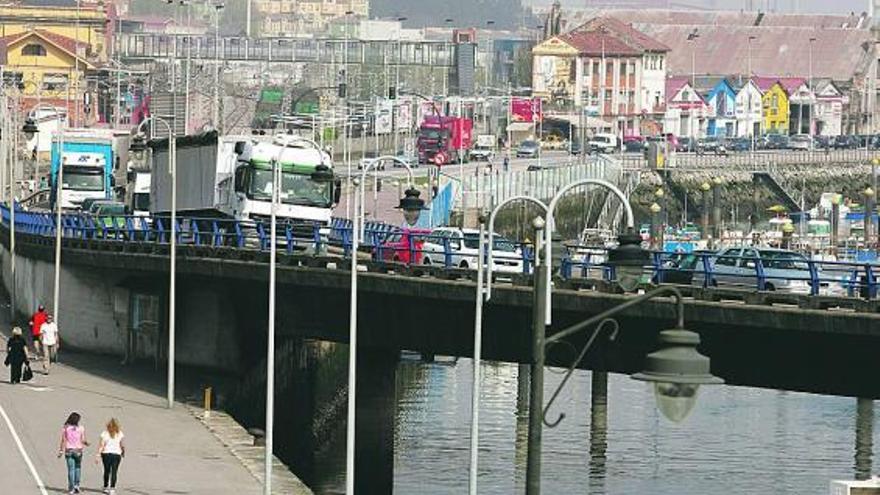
(610, 36)
(764, 82)
(68, 44)
(674, 85)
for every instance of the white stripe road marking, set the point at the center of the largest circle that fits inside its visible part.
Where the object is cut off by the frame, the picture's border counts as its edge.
(27, 459)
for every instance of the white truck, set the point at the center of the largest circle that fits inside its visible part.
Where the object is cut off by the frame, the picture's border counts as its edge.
(484, 149)
(464, 249)
(137, 192)
(231, 177)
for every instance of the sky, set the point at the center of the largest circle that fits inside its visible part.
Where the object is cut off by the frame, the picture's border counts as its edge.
(804, 6)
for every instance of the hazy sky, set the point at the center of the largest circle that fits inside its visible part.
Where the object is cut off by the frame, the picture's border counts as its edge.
(824, 6)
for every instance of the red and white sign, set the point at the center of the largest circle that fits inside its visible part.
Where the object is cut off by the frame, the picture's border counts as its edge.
(440, 158)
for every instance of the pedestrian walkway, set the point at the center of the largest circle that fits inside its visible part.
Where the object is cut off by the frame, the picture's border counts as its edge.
(168, 451)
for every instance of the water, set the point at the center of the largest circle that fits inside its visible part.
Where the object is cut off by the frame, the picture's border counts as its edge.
(736, 441)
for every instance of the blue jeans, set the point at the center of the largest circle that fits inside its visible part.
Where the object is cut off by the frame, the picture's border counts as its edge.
(74, 468)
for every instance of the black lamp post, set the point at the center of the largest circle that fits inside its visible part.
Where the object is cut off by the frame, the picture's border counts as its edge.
(412, 206)
(29, 128)
(628, 260)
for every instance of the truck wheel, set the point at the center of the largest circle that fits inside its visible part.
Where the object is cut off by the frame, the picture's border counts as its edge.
(464, 265)
(426, 261)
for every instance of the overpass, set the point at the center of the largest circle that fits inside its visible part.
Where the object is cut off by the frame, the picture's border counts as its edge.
(222, 290)
(148, 47)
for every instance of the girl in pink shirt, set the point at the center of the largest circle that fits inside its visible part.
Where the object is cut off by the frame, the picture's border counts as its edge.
(73, 441)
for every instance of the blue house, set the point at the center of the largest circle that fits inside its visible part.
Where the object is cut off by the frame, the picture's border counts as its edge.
(722, 109)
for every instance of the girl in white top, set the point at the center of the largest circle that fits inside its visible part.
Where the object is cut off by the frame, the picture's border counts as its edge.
(111, 450)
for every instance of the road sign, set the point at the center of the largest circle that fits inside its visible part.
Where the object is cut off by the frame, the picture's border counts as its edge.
(439, 158)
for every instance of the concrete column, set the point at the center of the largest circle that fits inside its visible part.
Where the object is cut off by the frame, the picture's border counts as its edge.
(864, 438)
(598, 430)
(376, 409)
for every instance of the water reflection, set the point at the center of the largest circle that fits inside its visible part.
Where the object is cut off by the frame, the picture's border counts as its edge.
(737, 440)
(864, 437)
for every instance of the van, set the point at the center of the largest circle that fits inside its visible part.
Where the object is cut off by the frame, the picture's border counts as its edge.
(603, 143)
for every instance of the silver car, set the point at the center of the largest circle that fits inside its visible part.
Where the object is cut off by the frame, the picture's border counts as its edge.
(784, 271)
(801, 142)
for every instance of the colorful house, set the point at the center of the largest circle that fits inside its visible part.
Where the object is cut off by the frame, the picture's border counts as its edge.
(774, 104)
(686, 110)
(801, 104)
(749, 109)
(830, 102)
(721, 100)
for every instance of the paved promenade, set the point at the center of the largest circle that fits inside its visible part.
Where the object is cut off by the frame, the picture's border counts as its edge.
(168, 451)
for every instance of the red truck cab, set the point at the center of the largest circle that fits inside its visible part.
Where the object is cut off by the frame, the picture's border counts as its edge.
(444, 140)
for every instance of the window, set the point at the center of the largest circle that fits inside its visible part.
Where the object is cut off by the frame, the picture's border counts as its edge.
(34, 49)
(729, 257)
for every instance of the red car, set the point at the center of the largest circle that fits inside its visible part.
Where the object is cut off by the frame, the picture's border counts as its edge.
(396, 246)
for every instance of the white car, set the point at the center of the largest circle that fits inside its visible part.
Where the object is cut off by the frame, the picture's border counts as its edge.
(602, 143)
(801, 142)
(464, 249)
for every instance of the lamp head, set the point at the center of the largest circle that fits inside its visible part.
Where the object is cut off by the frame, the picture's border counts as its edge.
(705, 186)
(29, 128)
(628, 260)
(655, 208)
(323, 174)
(677, 370)
(412, 206)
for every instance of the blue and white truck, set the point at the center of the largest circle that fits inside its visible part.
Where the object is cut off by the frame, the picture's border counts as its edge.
(88, 157)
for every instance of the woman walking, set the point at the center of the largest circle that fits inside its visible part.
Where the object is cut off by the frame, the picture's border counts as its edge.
(73, 441)
(16, 355)
(111, 451)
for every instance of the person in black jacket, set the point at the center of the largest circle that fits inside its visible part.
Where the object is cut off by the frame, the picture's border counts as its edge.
(16, 355)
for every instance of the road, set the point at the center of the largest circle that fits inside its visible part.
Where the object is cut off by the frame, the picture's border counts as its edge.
(168, 451)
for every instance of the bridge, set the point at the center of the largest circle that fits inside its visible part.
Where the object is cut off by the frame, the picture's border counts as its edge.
(146, 47)
(110, 265)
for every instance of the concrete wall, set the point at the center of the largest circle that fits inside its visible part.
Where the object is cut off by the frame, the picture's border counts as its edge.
(95, 303)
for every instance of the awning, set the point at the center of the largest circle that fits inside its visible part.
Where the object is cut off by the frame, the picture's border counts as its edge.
(521, 127)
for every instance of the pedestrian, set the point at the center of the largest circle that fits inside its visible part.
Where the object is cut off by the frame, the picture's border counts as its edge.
(51, 342)
(16, 355)
(73, 442)
(506, 163)
(111, 450)
(37, 321)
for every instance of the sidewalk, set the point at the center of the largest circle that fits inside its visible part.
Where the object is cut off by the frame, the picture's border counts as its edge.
(168, 451)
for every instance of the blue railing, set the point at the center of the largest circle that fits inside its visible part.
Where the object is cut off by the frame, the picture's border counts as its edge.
(388, 244)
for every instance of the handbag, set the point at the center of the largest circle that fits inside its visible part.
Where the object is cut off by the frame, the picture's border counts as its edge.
(28, 375)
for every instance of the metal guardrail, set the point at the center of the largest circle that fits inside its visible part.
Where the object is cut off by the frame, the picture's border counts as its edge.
(761, 160)
(393, 246)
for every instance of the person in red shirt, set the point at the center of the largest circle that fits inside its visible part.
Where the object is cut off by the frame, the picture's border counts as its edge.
(36, 322)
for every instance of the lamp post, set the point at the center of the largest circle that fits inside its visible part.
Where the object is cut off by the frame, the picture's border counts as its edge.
(216, 114)
(138, 146)
(812, 95)
(656, 239)
(411, 205)
(869, 215)
(692, 38)
(706, 187)
(323, 174)
(716, 209)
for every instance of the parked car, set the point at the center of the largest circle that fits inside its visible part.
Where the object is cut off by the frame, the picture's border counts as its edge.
(635, 146)
(685, 145)
(603, 143)
(776, 142)
(711, 145)
(844, 142)
(784, 270)
(680, 268)
(823, 142)
(405, 246)
(464, 249)
(528, 149)
(738, 144)
(801, 142)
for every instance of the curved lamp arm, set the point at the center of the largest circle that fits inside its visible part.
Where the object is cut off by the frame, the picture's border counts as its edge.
(492, 215)
(603, 319)
(371, 165)
(548, 231)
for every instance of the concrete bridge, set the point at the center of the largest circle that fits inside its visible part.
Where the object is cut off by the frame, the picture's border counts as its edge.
(112, 291)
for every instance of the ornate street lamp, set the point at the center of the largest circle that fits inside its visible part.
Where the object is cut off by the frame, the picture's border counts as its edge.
(29, 128)
(412, 206)
(628, 260)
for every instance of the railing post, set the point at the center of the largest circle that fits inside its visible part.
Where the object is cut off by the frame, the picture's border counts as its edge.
(870, 282)
(814, 278)
(759, 272)
(707, 270)
(217, 238)
(288, 235)
(447, 253)
(657, 258)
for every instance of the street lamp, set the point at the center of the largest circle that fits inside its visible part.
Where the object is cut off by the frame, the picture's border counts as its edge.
(410, 204)
(137, 147)
(322, 174)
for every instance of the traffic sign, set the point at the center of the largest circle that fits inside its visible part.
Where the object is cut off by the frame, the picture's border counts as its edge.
(439, 159)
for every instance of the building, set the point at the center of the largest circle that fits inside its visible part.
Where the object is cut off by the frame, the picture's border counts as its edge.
(721, 101)
(51, 47)
(605, 69)
(830, 103)
(686, 110)
(774, 105)
(749, 110)
(303, 17)
(801, 102)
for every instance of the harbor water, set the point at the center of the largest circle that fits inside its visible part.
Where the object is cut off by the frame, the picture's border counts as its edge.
(737, 440)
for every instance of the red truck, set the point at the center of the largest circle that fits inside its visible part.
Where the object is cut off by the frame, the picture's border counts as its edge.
(443, 140)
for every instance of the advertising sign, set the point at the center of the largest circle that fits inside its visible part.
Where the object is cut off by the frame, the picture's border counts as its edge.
(384, 113)
(404, 115)
(526, 109)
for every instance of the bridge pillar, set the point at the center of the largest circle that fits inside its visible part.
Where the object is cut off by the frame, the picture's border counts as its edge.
(374, 427)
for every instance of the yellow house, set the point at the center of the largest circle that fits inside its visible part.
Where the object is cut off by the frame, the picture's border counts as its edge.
(774, 104)
(553, 66)
(83, 21)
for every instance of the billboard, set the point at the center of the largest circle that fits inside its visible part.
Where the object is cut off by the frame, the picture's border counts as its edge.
(526, 109)
(384, 116)
(404, 115)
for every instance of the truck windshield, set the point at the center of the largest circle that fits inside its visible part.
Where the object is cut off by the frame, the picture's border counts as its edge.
(296, 189)
(82, 181)
(432, 133)
(140, 201)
